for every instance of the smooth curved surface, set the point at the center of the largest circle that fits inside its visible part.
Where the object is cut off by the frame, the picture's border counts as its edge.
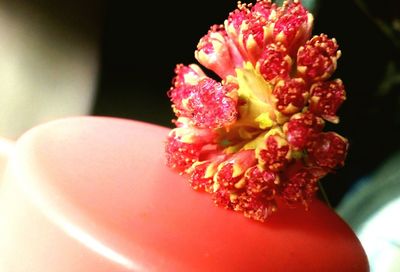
(6, 148)
(93, 194)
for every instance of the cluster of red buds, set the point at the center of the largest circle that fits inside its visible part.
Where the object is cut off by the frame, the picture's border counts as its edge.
(255, 137)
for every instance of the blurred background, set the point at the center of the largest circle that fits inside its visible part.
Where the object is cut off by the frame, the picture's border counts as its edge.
(116, 58)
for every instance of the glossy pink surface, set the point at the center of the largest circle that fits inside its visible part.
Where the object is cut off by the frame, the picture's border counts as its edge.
(93, 194)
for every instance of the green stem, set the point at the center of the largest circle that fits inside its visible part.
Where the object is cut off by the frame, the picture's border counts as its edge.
(324, 195)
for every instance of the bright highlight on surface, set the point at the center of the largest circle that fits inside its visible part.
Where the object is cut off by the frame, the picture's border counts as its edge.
(61, 220)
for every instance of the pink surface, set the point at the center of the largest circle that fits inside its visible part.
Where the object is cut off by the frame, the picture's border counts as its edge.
(93, 194)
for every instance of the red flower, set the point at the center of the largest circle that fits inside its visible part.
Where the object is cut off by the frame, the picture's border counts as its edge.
(256, 135)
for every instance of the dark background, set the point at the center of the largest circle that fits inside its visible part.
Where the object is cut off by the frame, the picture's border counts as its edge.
(142, 42)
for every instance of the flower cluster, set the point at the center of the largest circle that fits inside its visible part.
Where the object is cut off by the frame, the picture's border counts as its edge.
(255, 136)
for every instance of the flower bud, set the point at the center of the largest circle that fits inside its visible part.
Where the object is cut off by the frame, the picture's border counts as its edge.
(317, 59)
(291, 95)
(293, 26)
(217, 53)
(274, 63)
(326, 98)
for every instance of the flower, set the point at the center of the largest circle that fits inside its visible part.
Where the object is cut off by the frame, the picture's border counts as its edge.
(254, 137)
